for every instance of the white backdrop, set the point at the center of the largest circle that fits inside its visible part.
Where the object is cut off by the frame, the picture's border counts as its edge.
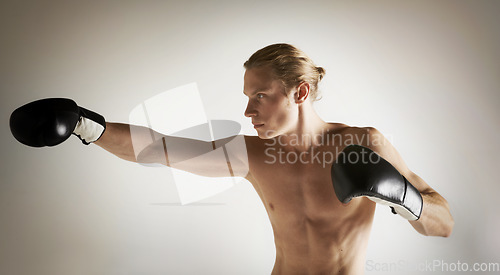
(425, 73)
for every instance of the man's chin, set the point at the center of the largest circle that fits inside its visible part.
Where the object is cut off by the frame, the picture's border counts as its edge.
(263, 136)
(266, 134)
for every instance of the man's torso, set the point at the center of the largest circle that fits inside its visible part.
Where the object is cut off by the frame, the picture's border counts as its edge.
(314, 232)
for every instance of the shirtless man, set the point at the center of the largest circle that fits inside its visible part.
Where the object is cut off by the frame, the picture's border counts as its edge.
(289, 164)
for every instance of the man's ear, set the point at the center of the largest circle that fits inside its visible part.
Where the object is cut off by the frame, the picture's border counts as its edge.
(302, 92)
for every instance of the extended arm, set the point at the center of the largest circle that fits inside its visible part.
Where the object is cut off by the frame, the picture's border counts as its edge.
(220, 158)
(49, 122)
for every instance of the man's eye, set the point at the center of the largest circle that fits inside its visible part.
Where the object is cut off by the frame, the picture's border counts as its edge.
(260, 95)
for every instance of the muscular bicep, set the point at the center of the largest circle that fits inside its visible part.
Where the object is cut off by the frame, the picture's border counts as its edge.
(220, 158)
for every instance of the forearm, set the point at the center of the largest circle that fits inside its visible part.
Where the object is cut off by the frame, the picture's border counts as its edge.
(117, 139)
(436, 219)
(144, 145)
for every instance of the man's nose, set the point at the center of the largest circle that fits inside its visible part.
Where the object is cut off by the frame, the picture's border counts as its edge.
(250, 110)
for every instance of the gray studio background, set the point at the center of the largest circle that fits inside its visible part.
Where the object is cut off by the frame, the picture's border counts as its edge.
(425, 73)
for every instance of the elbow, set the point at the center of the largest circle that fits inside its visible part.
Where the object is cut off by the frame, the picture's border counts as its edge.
(444, 230)
(446, 234)
(436, 229)
(448, 224)
(448, 229)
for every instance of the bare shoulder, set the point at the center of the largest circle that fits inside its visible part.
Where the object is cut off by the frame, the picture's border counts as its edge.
(348, 129)
(255, 146)
(372, 138)
(347, 135)
(253, 142)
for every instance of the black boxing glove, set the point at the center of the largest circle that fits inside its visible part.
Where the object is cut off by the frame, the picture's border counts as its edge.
(49, 122)
(358, 171)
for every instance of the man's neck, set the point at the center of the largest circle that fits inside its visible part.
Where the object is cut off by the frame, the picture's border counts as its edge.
(308, 131)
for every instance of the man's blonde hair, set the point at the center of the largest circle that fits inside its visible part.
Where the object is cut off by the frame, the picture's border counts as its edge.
(288, 64)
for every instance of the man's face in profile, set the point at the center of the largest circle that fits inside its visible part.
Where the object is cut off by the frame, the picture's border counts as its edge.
(272, 110)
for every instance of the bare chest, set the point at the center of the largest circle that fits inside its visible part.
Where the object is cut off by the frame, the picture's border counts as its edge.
(296, 191)
(307, 218)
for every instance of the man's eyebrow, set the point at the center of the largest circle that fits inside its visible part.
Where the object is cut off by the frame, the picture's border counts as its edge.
(254, 91)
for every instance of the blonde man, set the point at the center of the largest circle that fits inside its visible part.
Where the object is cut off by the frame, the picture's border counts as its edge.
(320, 201)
